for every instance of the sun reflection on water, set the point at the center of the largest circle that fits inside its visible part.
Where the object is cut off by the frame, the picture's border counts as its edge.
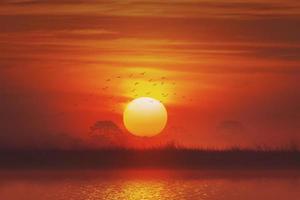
(142, 191)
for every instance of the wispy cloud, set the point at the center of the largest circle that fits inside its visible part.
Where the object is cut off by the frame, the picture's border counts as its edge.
(191, 8)
(237, 59)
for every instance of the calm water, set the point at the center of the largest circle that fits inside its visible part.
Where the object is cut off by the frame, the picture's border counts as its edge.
(149, 184)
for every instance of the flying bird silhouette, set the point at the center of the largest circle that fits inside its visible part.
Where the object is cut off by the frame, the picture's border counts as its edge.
(164, 95)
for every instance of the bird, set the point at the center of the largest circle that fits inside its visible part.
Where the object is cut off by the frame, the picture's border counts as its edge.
(143, 73)
(107, 80)
(118, 77)
(136, 83)
(150, 80)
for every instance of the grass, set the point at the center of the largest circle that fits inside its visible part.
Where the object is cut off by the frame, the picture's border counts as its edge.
(169, 156)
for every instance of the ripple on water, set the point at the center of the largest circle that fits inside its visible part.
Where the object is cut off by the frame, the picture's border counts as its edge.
(136, 187)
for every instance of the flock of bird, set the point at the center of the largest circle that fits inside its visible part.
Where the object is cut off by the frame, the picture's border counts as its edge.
(135, 90)
(158, 82)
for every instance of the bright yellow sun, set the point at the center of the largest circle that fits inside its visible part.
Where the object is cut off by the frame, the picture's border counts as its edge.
(145, 117)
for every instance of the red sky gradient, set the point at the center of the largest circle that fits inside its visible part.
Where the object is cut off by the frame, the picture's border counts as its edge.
(231, 68)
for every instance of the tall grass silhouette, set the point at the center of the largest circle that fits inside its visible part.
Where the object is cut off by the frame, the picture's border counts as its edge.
(167, 156)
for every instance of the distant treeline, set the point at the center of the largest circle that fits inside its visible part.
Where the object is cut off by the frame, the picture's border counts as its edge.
(166, 157)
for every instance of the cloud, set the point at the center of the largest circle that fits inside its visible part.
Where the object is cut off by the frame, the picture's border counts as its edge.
(49, 2)
(191, 8)
(243, 51)
(114, 39)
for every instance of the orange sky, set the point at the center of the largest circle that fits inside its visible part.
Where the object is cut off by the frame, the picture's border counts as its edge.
(231, 70)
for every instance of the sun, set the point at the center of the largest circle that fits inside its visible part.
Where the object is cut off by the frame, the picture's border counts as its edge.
(145, 117)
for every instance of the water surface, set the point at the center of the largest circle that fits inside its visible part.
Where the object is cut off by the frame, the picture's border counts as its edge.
(149, 184)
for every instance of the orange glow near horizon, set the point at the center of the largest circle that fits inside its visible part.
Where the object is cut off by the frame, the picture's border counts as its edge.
(226, 71)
